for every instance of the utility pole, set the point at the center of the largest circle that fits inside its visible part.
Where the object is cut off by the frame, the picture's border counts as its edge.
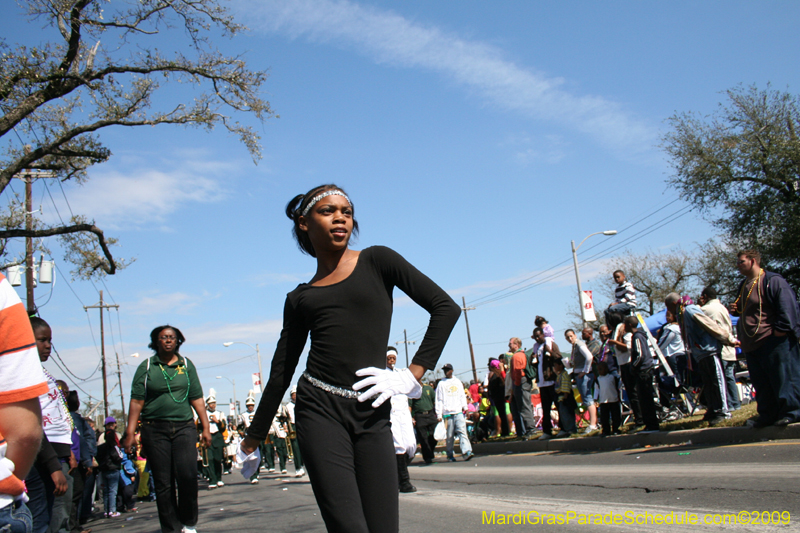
(102, 306)
(29, 245)
(119, 376)
(28, 176)
(469, 338)
(405, 336)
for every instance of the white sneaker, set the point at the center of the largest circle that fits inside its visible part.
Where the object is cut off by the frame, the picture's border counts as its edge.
(211, 486)
(300, 472)
(271, 470)
(220, 484)
(254, 481)
(188, 530)
(283, 472)
(588, 429)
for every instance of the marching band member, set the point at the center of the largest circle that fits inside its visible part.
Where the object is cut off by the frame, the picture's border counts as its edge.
(216, 421)
(276, 442)
(288, 413)
(245, 419)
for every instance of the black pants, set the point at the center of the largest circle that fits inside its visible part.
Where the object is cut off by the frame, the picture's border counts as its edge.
(349, 453)
(610, 417)
(88, 496)
(644, 390)
(425, 426)
(171, 449)
(775, 373)
(402, 470)
(78, 482)
(710, 371)
(628, 376)
(549, 398)
(499, 404)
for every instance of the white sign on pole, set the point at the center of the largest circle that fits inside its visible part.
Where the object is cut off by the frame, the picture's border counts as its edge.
(256, 382)
(587, 307)
(233, 410)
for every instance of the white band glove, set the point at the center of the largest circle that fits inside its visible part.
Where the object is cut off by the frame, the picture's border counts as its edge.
(386, 383)
(249, 463)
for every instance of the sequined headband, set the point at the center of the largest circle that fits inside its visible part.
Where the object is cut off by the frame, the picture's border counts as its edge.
(319, 197)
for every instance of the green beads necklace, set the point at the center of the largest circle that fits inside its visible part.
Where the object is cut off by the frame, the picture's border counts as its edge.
(169, 378)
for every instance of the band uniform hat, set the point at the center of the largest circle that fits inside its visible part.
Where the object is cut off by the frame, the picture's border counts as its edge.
(212, 396)
(251, 399)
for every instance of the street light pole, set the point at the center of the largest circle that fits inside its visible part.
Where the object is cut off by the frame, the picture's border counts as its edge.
(233, 382)
(578, 273)
(258, 355)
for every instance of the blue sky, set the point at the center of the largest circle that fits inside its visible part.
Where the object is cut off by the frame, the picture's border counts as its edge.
(477, 139)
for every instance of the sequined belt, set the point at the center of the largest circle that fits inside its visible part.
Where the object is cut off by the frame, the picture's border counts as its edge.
(333, 389)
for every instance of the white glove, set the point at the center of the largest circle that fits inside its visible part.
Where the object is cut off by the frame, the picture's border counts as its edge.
(387, 383)
(249, 463)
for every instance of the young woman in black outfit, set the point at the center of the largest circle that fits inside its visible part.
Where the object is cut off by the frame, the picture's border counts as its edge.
(345, 440)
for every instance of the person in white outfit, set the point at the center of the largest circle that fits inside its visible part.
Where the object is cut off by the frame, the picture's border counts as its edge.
(405, 442)
(451, 402)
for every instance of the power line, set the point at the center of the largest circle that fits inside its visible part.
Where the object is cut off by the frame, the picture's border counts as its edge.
(480, 301)
(69, 285)
(68, 371)
(615, 246)
(73, 382)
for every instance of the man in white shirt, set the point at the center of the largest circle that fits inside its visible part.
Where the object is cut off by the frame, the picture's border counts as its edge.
(717, 312)
(451, 402)
(581, 363)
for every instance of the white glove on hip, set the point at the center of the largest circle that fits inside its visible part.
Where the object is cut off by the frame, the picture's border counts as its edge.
(249, 463)
(386, 383)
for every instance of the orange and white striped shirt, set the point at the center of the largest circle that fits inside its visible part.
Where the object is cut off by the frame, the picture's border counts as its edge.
(21, 376)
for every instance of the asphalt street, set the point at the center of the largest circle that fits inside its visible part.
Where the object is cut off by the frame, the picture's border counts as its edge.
(671, 482)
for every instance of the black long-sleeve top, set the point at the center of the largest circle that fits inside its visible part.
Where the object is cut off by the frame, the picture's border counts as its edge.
(349, 323)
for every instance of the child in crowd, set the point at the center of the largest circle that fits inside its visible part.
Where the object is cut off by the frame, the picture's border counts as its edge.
(547, 329)
(566, 400)
(610, 412)
(624, 296)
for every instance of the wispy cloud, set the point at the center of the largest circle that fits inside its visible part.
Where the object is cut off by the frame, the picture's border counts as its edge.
(262, 331)
(176, 302)
(390, 38)
(140, 192)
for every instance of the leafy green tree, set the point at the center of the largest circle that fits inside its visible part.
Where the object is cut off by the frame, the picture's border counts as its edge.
(102, 68)
(741, 168)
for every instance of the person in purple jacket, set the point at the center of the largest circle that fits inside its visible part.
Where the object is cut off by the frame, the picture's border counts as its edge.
(768, 330)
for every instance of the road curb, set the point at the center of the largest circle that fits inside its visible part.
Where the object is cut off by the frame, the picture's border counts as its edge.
(705, 436)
